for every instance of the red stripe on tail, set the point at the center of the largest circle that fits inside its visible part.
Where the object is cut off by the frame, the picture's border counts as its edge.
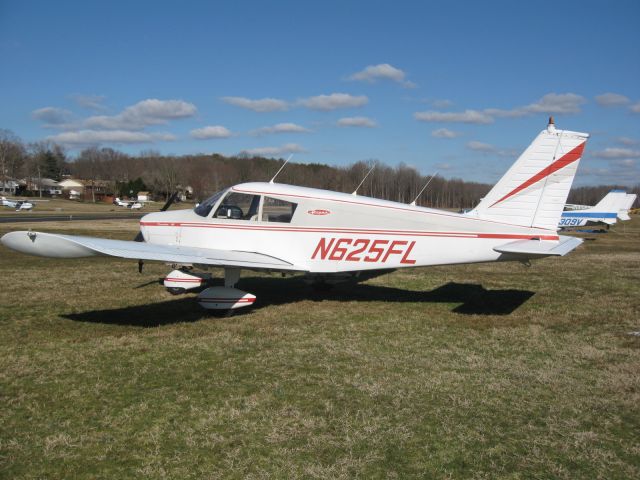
(562, 162)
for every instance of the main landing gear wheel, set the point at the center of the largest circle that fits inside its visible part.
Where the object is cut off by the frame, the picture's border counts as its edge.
(227, 298)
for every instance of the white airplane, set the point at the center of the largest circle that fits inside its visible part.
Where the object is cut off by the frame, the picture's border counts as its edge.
(132, 204)
(18, 204)
(605, 212)
(332, 236)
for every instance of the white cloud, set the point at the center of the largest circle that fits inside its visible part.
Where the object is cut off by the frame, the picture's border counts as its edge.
(143, 114)
(274, 151)
(635, 108)
(468, 116)
(383, 71)
(442, 103)
(614, 152)
(625, 163)
(628, 141)
(444, 166)
(444, 133)
(563, 103)
(211, 131)
(261, 105)
(280, 128)
(91, 102)
(487, 148)
(619, 172)
(357, 122)
(481, 147)
(333, 101)
(52, 116)
(612, 100)
(94, 137)
(556, 103)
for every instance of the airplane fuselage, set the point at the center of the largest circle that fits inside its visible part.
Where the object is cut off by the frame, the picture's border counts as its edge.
(335, 232)
(333, 236)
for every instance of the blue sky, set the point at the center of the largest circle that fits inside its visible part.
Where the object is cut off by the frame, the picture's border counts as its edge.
(455, 87)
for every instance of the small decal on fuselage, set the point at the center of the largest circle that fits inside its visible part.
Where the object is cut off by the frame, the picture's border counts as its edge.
(318, 212)
(363, 250)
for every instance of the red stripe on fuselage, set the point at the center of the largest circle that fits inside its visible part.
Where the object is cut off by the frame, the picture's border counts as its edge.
(562, 162)
(404, 233)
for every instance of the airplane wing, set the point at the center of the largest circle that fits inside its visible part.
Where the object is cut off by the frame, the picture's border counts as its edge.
(572, 206)
(75, 246)
(537, 248)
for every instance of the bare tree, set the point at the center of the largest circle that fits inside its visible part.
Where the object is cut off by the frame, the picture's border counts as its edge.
(12, 154)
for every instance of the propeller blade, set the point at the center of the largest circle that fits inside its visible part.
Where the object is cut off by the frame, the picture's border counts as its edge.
(172, 199)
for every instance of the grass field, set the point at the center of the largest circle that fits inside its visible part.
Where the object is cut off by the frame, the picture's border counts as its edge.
(482, 371)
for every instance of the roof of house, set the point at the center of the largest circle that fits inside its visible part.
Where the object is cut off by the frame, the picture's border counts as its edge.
(70, 182)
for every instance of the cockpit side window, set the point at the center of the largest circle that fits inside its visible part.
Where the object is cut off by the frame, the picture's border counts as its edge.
(204, 208)
(276, 210)
(239, 206)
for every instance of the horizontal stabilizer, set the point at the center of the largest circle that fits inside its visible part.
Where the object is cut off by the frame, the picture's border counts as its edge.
(74, 246)
(540, 248)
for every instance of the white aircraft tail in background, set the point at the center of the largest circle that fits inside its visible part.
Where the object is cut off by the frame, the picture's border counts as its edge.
(605, 212)
(534, 190)
(623, 213)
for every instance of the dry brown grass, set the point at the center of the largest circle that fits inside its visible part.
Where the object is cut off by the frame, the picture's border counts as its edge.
(478, 371)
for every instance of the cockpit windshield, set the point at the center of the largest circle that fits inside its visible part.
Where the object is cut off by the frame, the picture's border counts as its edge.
(204, 208)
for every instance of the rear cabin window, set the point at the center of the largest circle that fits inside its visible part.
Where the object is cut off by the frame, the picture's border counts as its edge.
(239, 206)
(275, 210)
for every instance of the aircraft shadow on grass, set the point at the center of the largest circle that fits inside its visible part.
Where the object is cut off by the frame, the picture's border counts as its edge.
(473, 299)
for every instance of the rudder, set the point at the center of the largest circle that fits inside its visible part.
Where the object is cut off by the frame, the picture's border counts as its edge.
(534, 190)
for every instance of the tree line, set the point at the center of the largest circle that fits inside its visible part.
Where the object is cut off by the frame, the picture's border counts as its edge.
(206, 174)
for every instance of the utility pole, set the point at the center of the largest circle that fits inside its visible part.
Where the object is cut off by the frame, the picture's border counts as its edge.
(39, 181)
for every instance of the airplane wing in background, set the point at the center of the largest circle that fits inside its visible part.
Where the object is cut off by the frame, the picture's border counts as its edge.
(74, 246)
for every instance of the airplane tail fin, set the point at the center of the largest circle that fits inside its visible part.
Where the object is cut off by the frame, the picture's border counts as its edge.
(623, 214)
(612, 201)
(631, 199)
(534, 190)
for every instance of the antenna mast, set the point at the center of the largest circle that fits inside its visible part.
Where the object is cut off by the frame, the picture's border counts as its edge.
(413, 204)
(283, 165)
(355, 192)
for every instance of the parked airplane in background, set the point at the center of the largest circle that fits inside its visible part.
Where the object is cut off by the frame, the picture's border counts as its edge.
(332, 236)
(18, 204)
(132, 204)
(605, 212)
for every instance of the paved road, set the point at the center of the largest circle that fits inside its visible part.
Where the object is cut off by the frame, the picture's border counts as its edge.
(62, 218)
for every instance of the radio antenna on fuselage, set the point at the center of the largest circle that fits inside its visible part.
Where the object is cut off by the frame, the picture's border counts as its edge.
(413, 204)
(355, 192)
(283, 165)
